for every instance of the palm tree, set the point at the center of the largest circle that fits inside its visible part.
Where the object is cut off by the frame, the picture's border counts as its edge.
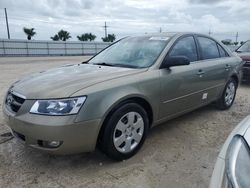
(64, 35)
(109, 38)
(29, 32)
(227, 41)
(55, 38)
(61, 35)
(83, 37)
(91, 37)
(86, 37)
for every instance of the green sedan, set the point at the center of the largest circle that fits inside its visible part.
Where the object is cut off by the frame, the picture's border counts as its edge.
(112, 100)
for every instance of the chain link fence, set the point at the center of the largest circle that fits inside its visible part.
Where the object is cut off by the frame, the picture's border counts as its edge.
(16, 47)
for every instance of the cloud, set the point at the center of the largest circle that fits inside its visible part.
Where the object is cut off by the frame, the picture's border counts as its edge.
(206, 1)
(125, 17)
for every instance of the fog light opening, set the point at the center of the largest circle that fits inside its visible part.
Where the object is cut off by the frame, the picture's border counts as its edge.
(54, 144)
(49, 144)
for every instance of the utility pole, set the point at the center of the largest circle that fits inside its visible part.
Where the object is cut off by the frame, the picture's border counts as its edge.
(105, 29)
(209, 32)
(236, 37)
(160, 30)
(7, 24)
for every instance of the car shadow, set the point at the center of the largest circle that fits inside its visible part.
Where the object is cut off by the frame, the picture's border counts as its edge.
(245, 84)
(170, 124)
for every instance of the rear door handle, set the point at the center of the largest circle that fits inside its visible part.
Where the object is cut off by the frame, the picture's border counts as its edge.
(200, 73)
(227, 67)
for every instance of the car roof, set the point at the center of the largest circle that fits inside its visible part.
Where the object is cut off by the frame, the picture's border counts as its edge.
(169, 34)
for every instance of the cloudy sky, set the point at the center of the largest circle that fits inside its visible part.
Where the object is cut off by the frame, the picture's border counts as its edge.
(224, 18)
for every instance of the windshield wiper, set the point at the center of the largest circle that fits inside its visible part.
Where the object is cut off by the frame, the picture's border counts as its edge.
(125, 65)
(104, 64)
(116, 65)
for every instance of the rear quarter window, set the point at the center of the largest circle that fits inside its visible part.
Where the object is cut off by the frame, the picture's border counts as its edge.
(223, 53)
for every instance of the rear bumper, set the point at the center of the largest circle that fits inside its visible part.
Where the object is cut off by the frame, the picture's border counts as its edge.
(31, 129)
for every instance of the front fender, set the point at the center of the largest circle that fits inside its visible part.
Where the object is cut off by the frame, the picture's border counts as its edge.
(102, 98)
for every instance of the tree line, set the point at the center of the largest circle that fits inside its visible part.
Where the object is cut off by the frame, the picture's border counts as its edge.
(230, 42)
(63, 35)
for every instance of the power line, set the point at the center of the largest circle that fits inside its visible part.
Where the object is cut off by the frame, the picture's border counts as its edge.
(7, 24)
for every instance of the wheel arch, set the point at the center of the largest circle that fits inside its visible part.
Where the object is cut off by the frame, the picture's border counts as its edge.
(136, 99)
(235, 77)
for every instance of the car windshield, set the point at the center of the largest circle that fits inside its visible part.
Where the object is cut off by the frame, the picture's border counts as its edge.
(245, 47)
(133, 52)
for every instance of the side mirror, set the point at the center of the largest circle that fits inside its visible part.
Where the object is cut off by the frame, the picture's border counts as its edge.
(175, 61)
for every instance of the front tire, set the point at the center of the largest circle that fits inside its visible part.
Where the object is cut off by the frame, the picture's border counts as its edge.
(228, 96)
(125, 131)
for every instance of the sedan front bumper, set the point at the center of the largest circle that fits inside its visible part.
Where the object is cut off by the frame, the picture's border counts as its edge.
(75, 137)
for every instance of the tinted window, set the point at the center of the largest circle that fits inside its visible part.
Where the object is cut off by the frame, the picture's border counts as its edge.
(185, 47)
(209, 48)
(223, 53)
(245, 47)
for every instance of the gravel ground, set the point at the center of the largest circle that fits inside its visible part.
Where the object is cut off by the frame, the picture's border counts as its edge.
(178, 153)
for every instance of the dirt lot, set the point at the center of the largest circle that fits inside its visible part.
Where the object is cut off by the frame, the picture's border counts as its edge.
(179, 153)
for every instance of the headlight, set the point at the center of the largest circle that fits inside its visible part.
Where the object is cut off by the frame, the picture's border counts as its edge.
(238, 163)
(58, 107)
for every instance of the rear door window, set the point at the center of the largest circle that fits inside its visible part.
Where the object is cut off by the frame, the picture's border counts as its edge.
(209, 49)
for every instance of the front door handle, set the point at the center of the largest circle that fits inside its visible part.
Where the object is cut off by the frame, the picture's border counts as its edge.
(200, 73)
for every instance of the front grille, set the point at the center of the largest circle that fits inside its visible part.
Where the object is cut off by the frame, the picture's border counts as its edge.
(247, 64)
(13, 102)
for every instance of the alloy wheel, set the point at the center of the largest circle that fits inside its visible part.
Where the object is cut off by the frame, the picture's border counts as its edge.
(230, 93)
(128, 132)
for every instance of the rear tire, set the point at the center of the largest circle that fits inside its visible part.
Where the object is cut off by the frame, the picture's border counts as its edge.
(125, 131)
(228, 96)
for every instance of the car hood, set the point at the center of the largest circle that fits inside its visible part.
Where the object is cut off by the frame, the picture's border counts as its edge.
(245, 56)
(64, 81)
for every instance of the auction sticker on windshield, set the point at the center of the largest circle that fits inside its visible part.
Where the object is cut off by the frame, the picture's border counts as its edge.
(159, 38)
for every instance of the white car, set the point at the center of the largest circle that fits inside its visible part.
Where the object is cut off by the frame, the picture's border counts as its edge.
(232, 168)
